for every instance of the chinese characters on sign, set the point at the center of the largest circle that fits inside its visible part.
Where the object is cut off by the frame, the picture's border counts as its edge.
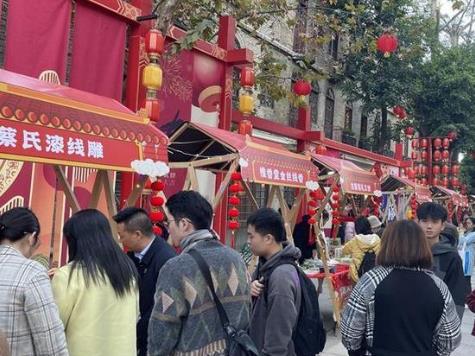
(280, 175)
(33, 140)
(359, 187)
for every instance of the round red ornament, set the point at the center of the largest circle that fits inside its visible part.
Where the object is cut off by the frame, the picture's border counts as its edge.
(414, 155)
(247, 77)
(409, 131)
(446, 142)
(156, 201)
(455, 182)
(455, 169)
(235, 188)
(437, 155)
(154, 42)
(423, 142)
(233, 213)
(387, 43)
(335, 221)
(157, 230)
(302, 87)
(234, 200)
(424, 155)
(236, 176)
(445, 154)
(157, 186)
(233, 225)
(156, 216)
(311, 212)
(445, 182)
(312, 221)
(436, 170)
(435, 181)
(336, 196)
(312, 203)
(437, 142)
(445, 169)
(415, 143)
(335, 188)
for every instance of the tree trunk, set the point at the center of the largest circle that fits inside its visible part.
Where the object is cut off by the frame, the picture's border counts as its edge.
(384, 139)
(166, 13)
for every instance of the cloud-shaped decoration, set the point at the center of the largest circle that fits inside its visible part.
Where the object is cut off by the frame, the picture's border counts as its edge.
(312, 185)
(150, 168)
(378, 193)
(243, 162)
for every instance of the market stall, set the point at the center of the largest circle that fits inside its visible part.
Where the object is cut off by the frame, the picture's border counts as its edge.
(452, 200)
(401, 197)
(49, 123)
(245, 160)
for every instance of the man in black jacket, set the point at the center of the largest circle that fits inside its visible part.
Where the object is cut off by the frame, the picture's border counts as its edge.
(447, 264)
(149, 253)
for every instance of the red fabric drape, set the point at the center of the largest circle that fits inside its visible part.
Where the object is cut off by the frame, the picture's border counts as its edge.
(98, 51)
(37, 36)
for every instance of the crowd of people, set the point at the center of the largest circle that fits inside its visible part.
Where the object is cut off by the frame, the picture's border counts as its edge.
(412, 281)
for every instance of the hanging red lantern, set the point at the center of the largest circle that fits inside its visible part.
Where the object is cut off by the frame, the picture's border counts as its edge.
(247, 77)
(157, 186)
(154, 43)
(455, 182)
(335, 221)
(156, 216)
(409, 131)
(335, 189)
(302, 87)
(336, 196)
(414, 155)
(445, 154)
(436, 170)
(311, 212)
(156, 201)
(235, 188)
(157, 230)
(445, 169)
(455, 169)
(445, 181)
(312, 221)
(422, 170)
(424, 155)
(387, 43)
(152, 107)
(415, 143)
(400, 112)
(320, 150)
(233, 213)
(423, 142)
(233, 225)
(437, 155)
(334, 205)
(411, 174)
(435, 181)
(319, 195)
(312, 203)
(452, 135)
(236, 176)
(234, 200)
(424, 181)
(446, 142)
(437, 142)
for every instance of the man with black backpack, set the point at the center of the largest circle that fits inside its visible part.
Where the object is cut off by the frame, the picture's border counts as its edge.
(285, 317)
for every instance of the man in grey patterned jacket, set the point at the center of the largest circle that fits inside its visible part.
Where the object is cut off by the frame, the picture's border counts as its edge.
(184, 319)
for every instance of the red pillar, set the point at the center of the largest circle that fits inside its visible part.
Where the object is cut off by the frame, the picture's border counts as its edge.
(226, 38)
(303, 123)
(135, 93)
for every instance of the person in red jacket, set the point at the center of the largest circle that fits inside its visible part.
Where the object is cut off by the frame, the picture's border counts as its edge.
(471, 306)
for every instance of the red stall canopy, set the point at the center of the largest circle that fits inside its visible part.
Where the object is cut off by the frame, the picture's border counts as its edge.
(392, 183)
(49, 123)
(261, 161)
(353, 179)
(443, 192)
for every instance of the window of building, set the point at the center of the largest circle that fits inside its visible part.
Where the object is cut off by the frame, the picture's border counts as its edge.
(333, 46)
(348, 117)
(313, 103)
(329, 112)
(364, 126)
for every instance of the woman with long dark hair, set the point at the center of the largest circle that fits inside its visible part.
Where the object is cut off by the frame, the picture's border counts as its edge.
(400, 307)
(97, 291)
(29, 317)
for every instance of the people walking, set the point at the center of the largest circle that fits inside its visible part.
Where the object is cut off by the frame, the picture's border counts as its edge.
(447, 264)
(277, 295)
(149, 253)
(185, 320)
(97, 290)
(385, 316)
(363, 248)
(28, 314)
(467, 251)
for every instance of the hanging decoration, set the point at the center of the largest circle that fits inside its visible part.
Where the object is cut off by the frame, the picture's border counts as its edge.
(152, 75)
(315, 197)
(302, 89)
(400, 112)
(437, 142)
(233, 213)
(246, 99)
(387, 43)
(409, 131)
(413, 204)
(335, 204)
(320, 149)
(156, 206)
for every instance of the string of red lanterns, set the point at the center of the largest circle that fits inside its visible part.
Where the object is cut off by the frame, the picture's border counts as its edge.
(156, 203)
(335, 204)
(233, 213)
(315, 197)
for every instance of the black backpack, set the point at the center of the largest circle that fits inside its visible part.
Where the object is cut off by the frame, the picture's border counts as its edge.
(368, 263)
(309, 336)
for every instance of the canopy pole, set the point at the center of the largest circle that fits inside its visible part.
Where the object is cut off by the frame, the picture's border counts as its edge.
(68, 190)
(137, 191)
(224, 183)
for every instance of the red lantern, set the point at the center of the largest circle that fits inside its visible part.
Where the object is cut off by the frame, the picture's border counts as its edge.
(336, 189)
(320, 150)
(415, 143)
(423, 142)
(400, 112)
(445, 154)
(424, 181)
(445, 169)
(335, 221)
(319, 195)
(152, 107)
(236, 176)
(157, 186)
(247, 77)
(233, 213)
(235, 188)
(245, 127)
(452, 135)
(234, 200)
(414, 155)
(302, 87)
(455, 182)
(311, 212)
(437, 142)
(437, 155)
(154, 43)
(387, 43)
(157, 230)
(336, 196)
(423, 170)
(455, 169)
(436, 170)
(312, 221)
(334, 205)
(312, 203)
(233, 225)
(156, 216)
(409, 131)
(445, 181)
(411, 174)
(446, 142)
(156, 201)
(424, 155)
(435, 181)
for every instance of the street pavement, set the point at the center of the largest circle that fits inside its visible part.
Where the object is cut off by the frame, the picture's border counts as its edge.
(334, 346)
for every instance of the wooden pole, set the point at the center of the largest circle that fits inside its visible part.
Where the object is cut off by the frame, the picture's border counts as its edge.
(137, 191)
(224, 183)
(68, 190)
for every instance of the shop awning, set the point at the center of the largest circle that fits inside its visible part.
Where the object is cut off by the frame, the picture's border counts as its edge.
(440, 192)
(261, 161)
(353, 179)
(49, 123)
(393, 183)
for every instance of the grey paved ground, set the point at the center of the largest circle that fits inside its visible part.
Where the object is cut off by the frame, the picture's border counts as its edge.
(335, 348)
